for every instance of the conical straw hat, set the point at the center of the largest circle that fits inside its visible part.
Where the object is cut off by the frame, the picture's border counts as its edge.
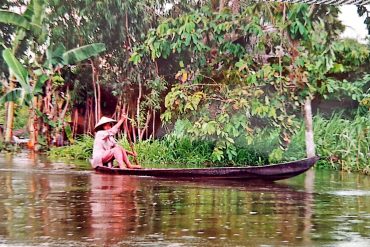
(103, 121)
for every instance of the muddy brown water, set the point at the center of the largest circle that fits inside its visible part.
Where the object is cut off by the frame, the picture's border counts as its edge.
(50, 204)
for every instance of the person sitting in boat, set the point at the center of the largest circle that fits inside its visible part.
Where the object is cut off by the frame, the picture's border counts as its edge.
(106, 148)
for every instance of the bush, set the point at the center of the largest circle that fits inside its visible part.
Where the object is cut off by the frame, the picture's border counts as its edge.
(80, 150)
(166, 152)
(342, 144)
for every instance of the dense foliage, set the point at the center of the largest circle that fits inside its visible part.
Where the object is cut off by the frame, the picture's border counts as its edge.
(235, 70)
(203, 82)
(342, 143)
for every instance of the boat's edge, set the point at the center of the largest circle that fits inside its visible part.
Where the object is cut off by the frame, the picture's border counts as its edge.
(315, 158)
(268, 172)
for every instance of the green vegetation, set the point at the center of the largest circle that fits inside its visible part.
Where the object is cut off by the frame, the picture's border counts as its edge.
(81, 149)
(342, 143)
(167, 152)
(21, 118)
(270, 81)
(236, 78)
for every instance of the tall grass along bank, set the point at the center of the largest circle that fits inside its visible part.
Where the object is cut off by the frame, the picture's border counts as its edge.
(342, 143)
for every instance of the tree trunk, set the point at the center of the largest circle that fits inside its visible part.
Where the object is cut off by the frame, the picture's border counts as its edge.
(118, 111)
(9, 122)
(145, 128)
(33, 125)
(310, 175)
(91, 118)
(75, 122)
(138, 111)
(65, 109)
(222, 5)
(59, 131)
(310, 145)
(47, 98)
(9, 116)
(133, 128)
(86, 115)
(96, 92)
(128, 48)
(99, 95)
(153, 132)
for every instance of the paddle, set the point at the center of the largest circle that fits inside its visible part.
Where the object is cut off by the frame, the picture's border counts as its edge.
(130, 141)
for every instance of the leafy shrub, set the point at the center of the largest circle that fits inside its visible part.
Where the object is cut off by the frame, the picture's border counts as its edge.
(80, 150)
(342, 143)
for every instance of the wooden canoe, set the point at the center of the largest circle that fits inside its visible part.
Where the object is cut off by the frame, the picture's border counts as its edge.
(266, 173)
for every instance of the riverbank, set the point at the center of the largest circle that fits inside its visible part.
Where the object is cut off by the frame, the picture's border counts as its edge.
(342, 143)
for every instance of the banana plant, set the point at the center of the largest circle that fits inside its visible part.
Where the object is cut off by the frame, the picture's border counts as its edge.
(24, 94)
(55, 60)
(12, 18)
(59, 57)
(30, 22)
(20, 88)
(29, 89)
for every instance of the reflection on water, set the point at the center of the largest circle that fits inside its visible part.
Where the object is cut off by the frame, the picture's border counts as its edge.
(43, 202)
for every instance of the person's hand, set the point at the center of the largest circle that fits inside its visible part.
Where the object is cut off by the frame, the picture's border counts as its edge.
(134, 154)
(124, 116)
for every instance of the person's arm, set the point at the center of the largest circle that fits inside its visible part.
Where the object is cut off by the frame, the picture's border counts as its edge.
(115, 128)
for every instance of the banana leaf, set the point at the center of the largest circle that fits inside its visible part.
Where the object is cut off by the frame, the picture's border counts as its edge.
(8, 17)
(17, 68)
(82, 53)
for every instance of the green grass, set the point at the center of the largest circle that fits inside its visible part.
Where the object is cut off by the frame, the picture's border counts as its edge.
(81, 149)
(164, 153)
(342, 143)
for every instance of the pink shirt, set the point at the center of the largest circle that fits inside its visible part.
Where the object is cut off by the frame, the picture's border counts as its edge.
(104, 140)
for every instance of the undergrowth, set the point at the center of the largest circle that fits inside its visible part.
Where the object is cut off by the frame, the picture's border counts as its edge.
(342, 143)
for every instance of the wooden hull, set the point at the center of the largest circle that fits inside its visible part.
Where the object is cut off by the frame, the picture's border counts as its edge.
(266, 173)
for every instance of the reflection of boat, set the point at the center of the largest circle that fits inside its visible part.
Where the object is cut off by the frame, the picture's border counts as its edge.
(267, 173)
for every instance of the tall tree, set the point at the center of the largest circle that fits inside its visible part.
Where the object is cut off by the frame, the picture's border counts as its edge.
(266, 63)
(120, 25)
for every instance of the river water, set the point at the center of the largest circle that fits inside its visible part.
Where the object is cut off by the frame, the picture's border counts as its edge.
(50, 204)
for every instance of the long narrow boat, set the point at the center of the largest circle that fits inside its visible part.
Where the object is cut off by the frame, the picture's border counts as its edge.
(266, 173)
